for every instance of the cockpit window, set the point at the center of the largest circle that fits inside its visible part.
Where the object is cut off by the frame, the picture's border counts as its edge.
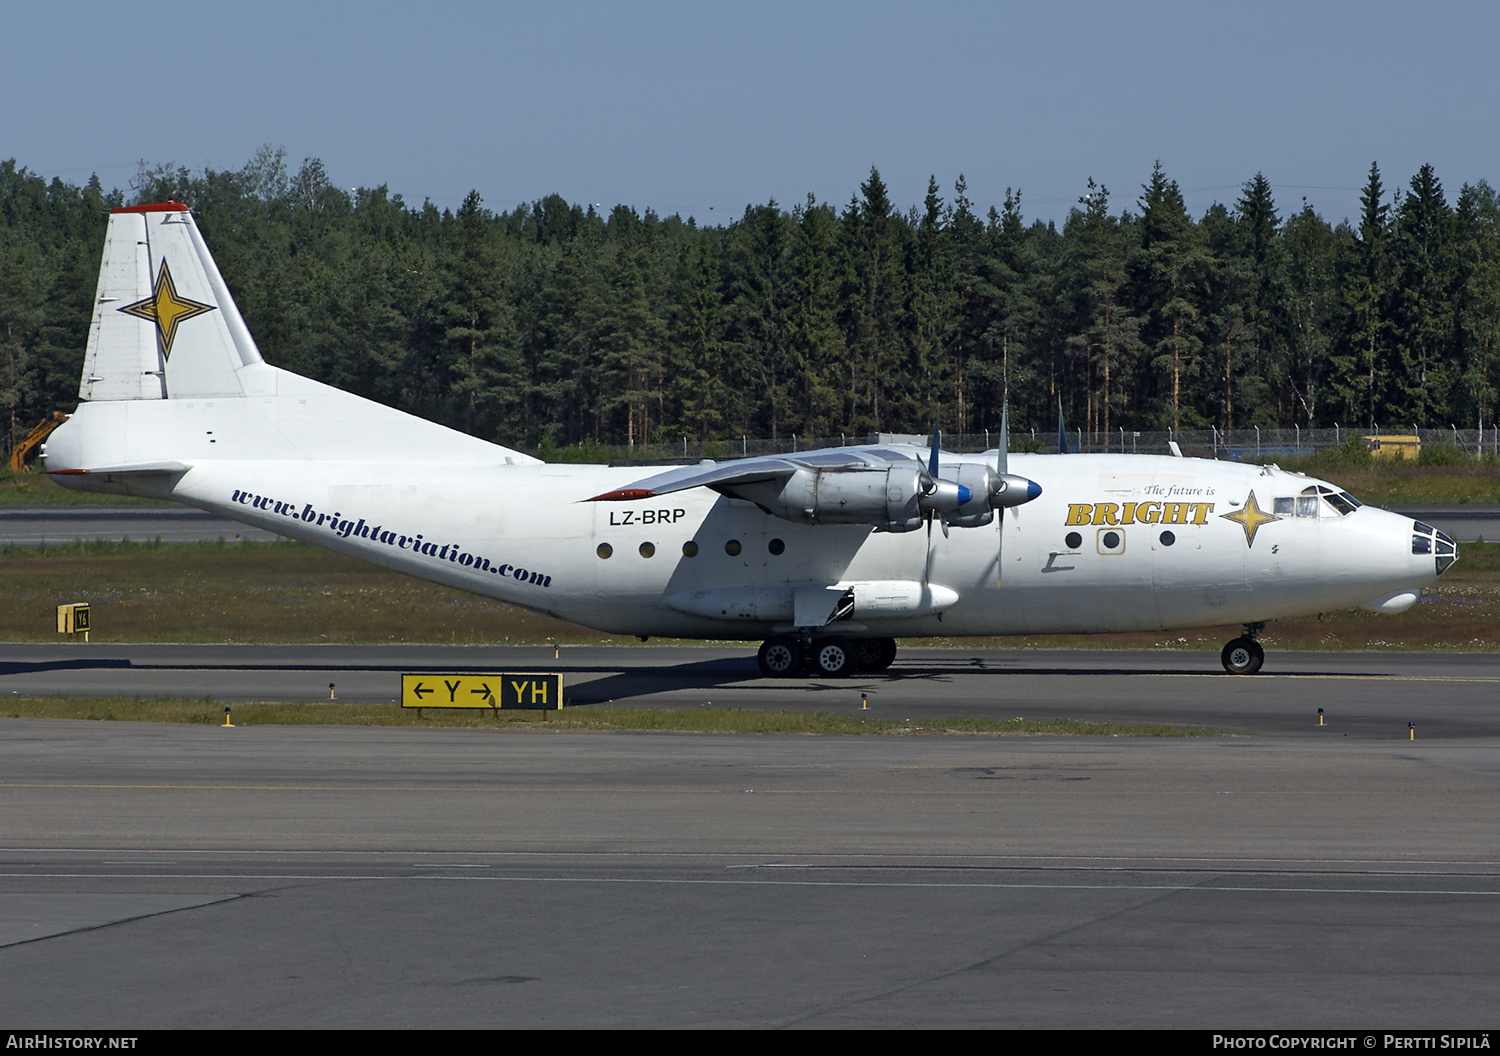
(1428, 540)
(1338, 502)
(1342, 502)
(1306, 504)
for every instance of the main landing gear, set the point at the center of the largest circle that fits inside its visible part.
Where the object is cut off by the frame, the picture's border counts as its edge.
(785, 657)
(1243, 656)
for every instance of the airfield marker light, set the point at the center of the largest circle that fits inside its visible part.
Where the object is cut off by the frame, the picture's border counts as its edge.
(1320, 716)
(864, 702)
(330, 691)
(1412, 727)
(227, 723)
(555, 654)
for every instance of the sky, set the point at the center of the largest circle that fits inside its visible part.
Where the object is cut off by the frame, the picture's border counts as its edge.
(704, 108)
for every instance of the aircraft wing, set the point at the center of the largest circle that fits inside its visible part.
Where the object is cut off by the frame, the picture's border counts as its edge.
(724, 477)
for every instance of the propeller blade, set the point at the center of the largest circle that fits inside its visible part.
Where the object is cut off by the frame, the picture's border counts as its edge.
(1002, 457)
(1002, 465)
(999, 541)
(937, 438)
(927, 568)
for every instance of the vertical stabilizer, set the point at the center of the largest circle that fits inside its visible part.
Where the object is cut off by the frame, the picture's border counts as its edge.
(164, 325)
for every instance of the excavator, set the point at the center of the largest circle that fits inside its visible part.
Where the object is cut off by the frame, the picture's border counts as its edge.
(33, 441)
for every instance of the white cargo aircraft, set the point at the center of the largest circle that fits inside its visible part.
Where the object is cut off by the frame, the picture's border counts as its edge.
(828, 556)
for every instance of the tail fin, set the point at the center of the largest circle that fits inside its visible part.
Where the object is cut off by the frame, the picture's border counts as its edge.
(164, 324)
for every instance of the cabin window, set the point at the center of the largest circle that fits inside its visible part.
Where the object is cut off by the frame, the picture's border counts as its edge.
(1073, 540)
(777, 547)
(648, 549)
(689, 549)
(605, 550)
(1168, 538)
(1285, 507)
(732, 548)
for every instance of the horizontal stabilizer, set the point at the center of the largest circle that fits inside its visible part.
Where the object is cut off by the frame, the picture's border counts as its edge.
(142, 469)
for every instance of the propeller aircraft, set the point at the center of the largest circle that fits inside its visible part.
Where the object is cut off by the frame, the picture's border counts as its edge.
(826, 556)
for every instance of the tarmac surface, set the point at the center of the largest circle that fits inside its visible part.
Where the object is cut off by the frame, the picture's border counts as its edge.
(1279, 874)
(33, 525)
(1372, 694)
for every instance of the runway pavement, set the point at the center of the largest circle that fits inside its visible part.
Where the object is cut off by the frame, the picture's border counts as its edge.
(1372, 695)
(1465, 523)
(34, 525)
(1281, 875)
(31, 525)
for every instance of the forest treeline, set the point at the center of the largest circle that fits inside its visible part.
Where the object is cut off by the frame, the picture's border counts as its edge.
(552, 323)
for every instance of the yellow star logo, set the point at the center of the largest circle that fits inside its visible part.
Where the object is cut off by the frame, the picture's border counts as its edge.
(1250, 518)
(166, 309)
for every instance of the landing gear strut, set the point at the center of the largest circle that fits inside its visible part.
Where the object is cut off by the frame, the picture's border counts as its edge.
(1243, 656)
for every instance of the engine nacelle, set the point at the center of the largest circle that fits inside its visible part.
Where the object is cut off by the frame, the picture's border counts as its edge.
(885, 498)
(978, 479)
(897, 498)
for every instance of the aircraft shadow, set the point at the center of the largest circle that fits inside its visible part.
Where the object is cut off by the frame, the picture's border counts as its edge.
(74, 664)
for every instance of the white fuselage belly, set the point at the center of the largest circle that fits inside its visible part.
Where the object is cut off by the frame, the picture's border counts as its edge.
(525, 534)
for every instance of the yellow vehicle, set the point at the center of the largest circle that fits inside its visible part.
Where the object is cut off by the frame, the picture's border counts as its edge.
(1395, 446)
(34, 440)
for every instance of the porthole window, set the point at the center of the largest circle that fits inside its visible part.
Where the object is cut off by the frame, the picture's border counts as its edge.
(777, 547)
(732, 548)
(689, 549)
(648, 549)
(1073, 540)
(1168, 538)
(605, 550)
(1111, 540)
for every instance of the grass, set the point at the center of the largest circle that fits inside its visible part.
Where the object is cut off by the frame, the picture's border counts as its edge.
(221, 592)
(35, 488)
(292, 593)
(1441, 475)
(682, 720)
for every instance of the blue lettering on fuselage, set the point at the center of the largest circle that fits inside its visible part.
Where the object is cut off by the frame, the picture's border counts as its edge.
(448, 553)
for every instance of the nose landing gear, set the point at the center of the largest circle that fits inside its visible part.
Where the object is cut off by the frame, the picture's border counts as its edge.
(1243, 656)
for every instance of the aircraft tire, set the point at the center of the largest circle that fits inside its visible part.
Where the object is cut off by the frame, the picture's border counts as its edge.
(780, 658)
(1243, 656)
(835, 657)
(875, 654)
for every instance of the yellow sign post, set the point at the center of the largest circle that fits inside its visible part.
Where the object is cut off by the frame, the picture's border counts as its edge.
(530, 690)
(73, 619)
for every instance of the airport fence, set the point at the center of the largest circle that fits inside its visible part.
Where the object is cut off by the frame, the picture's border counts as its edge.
(1250, 445)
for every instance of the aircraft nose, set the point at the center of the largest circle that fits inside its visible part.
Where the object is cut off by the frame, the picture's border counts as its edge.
(1447, 552)
(1425, 539)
